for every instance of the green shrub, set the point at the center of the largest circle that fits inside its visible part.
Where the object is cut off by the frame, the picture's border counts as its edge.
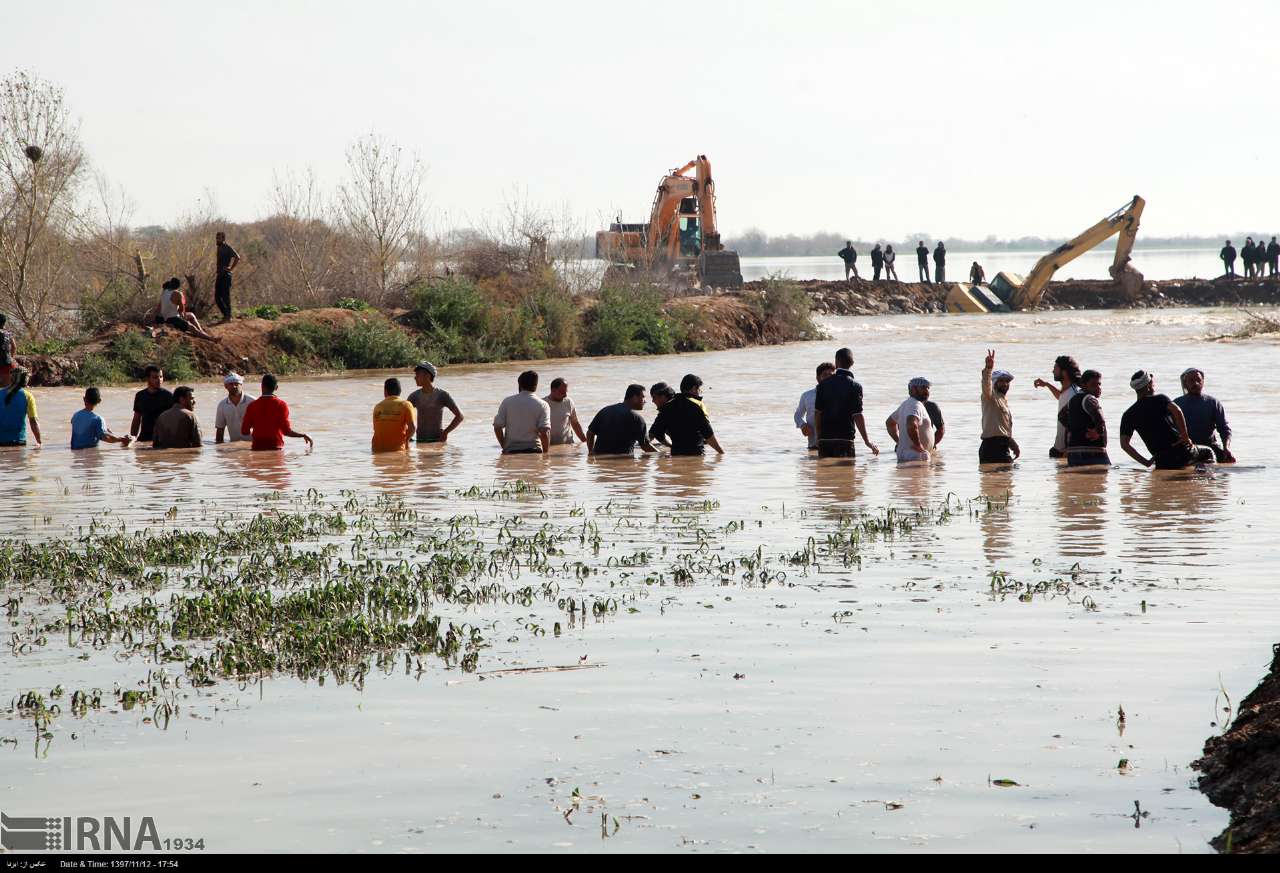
(687, 326)
(628, 321)
(119, 301)
(355, 304)
(99, 370)
(47, 347)
(375, 343)
(305, 340)
(787, 310)
(131, 351)
(556, 315)
(453, 317)
(264, 311)
(175, 360)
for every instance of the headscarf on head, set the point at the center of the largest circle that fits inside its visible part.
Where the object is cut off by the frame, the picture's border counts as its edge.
(1001, 374)
(1140, 380)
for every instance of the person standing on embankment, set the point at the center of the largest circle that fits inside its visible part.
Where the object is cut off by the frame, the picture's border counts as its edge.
(849, 255)
(227, 261)
(940, 263)
(890, 257)
(976, 274)
(877, 262)
(1273, 257)
(1228, 256)
(922, 262)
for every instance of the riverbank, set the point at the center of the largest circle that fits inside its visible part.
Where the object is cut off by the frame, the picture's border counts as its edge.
(1241, 771)
(863, 297)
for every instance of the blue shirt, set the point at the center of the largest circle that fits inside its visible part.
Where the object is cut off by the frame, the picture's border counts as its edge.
(87, 428)
(1204, 415)
(13, 415)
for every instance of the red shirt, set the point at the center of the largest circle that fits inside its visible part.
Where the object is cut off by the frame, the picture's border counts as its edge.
(267, 418)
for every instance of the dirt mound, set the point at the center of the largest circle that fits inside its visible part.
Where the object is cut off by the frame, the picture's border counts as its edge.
(1241, 771)
(864, 297)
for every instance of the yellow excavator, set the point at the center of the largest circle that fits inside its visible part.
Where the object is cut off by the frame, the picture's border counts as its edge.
(1009, 291)
(681, 236)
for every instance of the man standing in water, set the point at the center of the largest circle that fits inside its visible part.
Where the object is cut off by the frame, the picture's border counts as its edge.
(227, 260)
(148, 404)
(523, 422)
(564, 414)
(660, 393)
(940, 263)
(910, 426)
(1162, 426)
(998, 445)
(177, 427)
(877, 261)
(922, 262)
(1085, 426)
(1067, 372)
(849, 255)
(431, 402)
(683, 420)
(837, 413)
(1206, 419)
(392, 420)
(1228, 256)
(619, 428)
(804, 417)
(17, 409)
(267, 420)
(231, 410)
(87, 427)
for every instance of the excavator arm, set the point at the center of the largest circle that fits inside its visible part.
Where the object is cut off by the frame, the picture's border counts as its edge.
(1123, 221)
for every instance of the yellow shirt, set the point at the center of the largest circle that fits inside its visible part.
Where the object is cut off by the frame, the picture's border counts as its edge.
(392, 419)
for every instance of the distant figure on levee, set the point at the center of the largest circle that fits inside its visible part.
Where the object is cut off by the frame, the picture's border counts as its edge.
(1206, 419)
(267, 420)
(922, 262)
(849, 255)
(177, 427)
(940, 263)
(227, 260)
(1085, 426)
(393, 426)
(87, 427)
(1067, 373)
(1228, 255)
(877, 261)
(431, 402)
(17, 409)
(976, 274)
(523, 422)
(837, 411)
(910, 426)
(1162, 426)
(683, 421)
(619, 428)
(1273, 257)
(804, 416)
(172, 310)
(564, 414)
(998, 445)
(1246, 257)
(890, 258)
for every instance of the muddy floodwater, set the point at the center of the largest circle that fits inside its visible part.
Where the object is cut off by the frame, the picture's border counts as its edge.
(954, 682)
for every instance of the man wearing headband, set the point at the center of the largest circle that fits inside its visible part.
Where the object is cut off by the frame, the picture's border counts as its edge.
(1162, 426)
(231, 409)
(1206, 419)
(910, 425)
(998, 445)
(1086, 429)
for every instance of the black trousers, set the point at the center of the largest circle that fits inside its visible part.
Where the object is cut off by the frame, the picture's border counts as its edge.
(940, 273)
(222, 294)
(995, 450)
(835, 449)
(1180, 456)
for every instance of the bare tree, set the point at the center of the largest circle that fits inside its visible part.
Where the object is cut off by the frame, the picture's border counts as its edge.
(42, 163)
(382, 206)
(302, 235)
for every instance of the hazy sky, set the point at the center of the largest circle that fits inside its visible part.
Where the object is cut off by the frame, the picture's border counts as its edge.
(873, 119)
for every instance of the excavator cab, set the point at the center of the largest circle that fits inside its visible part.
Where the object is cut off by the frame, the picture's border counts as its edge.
(690, 237)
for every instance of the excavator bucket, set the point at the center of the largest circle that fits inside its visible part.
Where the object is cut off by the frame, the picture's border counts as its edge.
(721, 269)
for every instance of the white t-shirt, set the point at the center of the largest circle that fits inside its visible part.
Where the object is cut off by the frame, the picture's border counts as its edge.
(522, 415)
(1060, 441)
(230, 416)
(561, 412)
(169, 309)
(909, 408)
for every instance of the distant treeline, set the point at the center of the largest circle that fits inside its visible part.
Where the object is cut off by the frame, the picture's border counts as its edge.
(756, 243)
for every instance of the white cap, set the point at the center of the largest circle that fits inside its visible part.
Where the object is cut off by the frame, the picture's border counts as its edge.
(233, 379)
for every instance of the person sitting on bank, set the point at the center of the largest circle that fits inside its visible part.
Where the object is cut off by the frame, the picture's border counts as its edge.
(1206, 418)
(172, 310)
(267, 420)
(523, 422)
(431, 402)
(683, 419)
(564, 414)
(231, 410)
(998, 445)
(910, 426)
(849, 255)
(837, 411)
(87, 427)
(393, 426)
(17, 410)
(177, 427)
(1086, 430)
(1162, 426)
(805, 414)
(619, 428)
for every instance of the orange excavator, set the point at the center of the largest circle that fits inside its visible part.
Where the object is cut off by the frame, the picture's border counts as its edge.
(681, 236)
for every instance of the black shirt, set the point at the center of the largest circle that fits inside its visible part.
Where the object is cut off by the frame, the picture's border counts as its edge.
(1150, 417)
(848, 254)
(684, 423)
(225, 254)
(839, 399)
(151, 405)
(877, 256)
(618, 429)
(1083, 413)
(922, 254)
(939, 256)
